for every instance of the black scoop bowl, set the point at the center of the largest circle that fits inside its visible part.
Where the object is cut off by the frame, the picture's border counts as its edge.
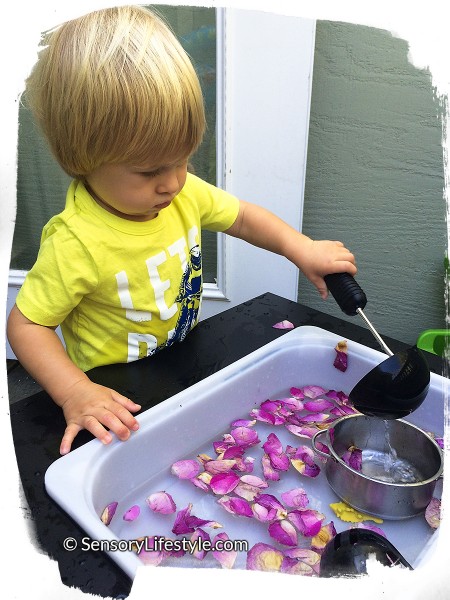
(394, 388)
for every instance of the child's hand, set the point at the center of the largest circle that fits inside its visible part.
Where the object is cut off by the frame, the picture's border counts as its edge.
(320, 258)
(93, 407)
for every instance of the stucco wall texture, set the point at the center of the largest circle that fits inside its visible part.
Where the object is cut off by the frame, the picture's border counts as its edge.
(375, 176)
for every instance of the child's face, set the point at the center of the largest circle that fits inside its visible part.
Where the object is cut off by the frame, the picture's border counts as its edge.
(137, 193)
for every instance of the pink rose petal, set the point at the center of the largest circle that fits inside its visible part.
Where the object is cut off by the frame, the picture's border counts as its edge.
(320, 540)
(236, 506)
(353, 458)
(306, 431)
(283, 325)
(301, 561)
(149, 556)
(199, 536)
(254, 480)
(109, 512)
(219, 466)
(245, 465)
(307, 521)
(187, 523)
(243, 423)
(268, 471)
(226, 558)
(283, 532)
(262, 557)
(272, 444)
(295, 404)
(433, 513)
(297, 393)
(313, 391)
(245, 436)
(295, 498)
(186, 469)
(318, 405)
(341, 359)
(223, 483)
(161, 502)
(132, 513)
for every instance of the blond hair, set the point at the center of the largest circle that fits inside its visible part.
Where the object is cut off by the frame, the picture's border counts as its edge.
(115, 86)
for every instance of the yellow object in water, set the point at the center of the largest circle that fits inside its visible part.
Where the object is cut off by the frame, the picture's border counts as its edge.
(351, 515)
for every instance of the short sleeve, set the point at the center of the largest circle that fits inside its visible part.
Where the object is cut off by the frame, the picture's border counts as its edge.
(218, 209)
(63, 274)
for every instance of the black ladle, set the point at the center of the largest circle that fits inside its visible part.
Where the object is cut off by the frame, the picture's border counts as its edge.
(398, 385)
(348, 552)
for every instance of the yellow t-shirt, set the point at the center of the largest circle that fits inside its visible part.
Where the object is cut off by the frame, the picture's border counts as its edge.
(120, 289)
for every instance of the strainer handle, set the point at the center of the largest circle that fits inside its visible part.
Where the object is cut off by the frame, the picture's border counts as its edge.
(313, 442)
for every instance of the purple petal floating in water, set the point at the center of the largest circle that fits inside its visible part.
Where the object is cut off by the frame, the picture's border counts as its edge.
(301, 561)
(236, 506)
(295, 498)
(341, 359)
(353, 458)
(254, 480)
(269, 472)
(161, 502)
(303, 461)
(272, 444)
(319, 405)
(326, 534)
(223, 483)
(186, 469)
(233, 452)
(306, 431)
(343, 410)
(262, 557)
(219, 466)
(280, 462)
(187, 523)
(339, 396)
(132, 513)
(295, 404)
(109, 512)
(245, 465)
(226, 558)
(307, 521)
(313, 418)
(283, 532)
(297, 393)
(243, 423)
(433, 513)
(148, 555)
(245, 436)
(313, 391)
(267, 417)
(200, 534)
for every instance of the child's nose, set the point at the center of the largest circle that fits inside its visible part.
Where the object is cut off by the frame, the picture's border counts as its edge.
(168, 182)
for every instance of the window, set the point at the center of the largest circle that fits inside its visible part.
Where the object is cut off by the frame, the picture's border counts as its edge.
(41, 183)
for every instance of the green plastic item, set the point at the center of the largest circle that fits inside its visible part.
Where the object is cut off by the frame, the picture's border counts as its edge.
(434, 340)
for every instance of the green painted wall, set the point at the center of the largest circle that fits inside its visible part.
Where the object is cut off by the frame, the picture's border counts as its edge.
(375, 176)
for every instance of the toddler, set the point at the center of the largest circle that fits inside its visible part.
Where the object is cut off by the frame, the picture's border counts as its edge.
(120, 268)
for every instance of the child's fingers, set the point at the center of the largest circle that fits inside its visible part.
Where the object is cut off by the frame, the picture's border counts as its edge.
(68, 437)
(124, 401)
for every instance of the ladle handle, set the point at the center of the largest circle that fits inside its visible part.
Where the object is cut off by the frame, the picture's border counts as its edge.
(346, 291)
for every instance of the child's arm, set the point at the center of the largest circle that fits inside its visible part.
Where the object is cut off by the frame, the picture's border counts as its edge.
(315, 259)
(86, 405)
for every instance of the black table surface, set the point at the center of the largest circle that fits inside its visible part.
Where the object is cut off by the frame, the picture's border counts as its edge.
(38, 424)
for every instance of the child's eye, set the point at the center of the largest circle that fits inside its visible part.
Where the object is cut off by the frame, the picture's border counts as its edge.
(150, 174)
